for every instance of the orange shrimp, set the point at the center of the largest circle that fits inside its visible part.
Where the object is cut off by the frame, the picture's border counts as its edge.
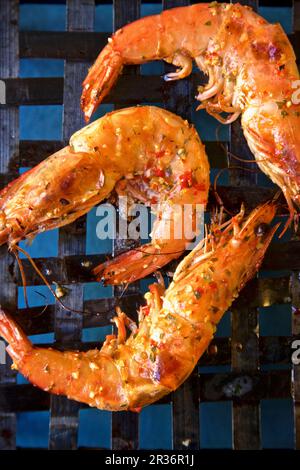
(251, 67)
(175, 327)
(146, 153)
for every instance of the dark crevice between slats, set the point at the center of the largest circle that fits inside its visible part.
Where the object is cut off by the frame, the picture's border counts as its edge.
(83, 46)
(243, 389)
(137, 89)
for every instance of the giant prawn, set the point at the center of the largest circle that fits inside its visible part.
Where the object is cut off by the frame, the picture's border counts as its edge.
(146, 153)
(175, 327)
(252, 72)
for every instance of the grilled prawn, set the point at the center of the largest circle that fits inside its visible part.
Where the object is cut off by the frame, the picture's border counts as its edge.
(251, 67)
(175, 327)
(146, 153)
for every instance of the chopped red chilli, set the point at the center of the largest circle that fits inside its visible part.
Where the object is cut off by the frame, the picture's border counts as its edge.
(186, 180)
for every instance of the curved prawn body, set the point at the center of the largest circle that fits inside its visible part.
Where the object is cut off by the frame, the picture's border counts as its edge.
(146, 153)
(175, 327)
(251, 68)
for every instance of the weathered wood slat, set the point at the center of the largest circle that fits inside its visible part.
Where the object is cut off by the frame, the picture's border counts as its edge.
(239, 388)
(295, 294)
(33, 91)
(245, 418)
(33, 152)
(245, 388)
(272, 350)
(296, 16)
(83, 46)
(45, 91)
(25, 397)
(64, 418)
(9, 147)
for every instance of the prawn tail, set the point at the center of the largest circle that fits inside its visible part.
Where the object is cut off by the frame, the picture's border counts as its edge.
(100, 79)
(19, 344)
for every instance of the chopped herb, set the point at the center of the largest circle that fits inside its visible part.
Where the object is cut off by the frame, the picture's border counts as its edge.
(153, 353)
(206, 277)
(208, 23)
(284, 113)
(152, 357)
(297, 113)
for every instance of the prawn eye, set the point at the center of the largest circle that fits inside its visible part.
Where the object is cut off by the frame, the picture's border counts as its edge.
(261, 229)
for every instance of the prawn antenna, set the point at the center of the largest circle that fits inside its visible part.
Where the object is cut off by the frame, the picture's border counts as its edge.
(245, 160)
(228, 152)
(23, 276)
(216, 194)
(35, 267)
